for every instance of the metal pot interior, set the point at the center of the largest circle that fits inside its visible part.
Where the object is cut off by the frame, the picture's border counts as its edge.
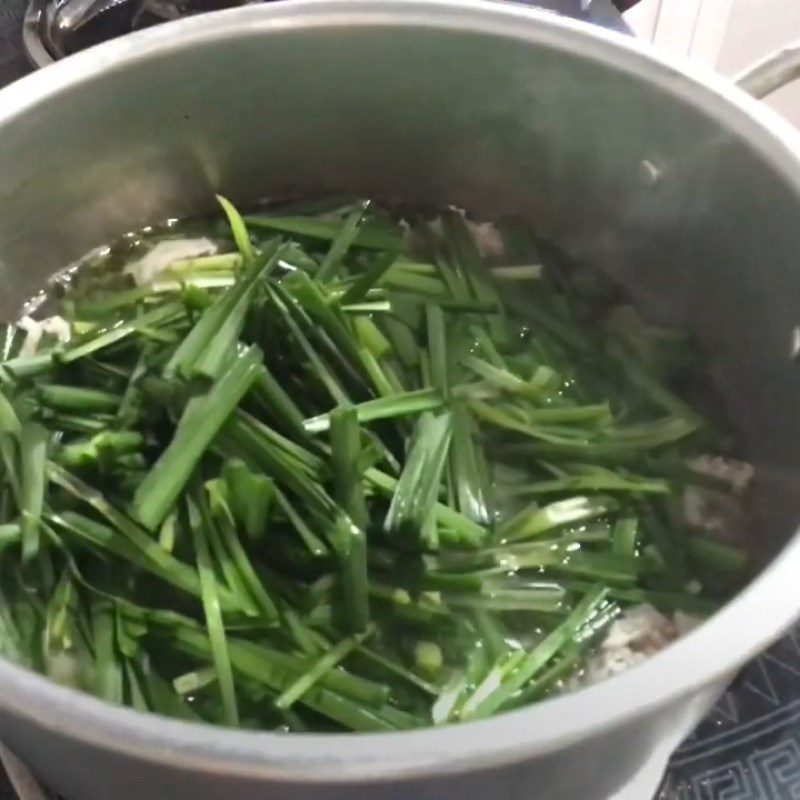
(632, 167)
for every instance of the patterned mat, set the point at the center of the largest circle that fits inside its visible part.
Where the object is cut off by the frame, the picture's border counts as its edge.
(748, 748)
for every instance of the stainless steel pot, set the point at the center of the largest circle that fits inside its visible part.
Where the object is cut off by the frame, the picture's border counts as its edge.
(680, 185)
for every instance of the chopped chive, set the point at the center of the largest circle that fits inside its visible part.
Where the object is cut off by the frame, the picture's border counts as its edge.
(717, 555)
(350, 544)
(276, 669)
(340, 245)
(505, 380)
(349, 427)
(249, 496)
(108, 671)
(491, 695)
(349, 538)
(327, 662)
(369, 235)
(520, 272)
(315, 545)
(195, 681)
(456, 526)
(213, 615)
(625, 536)
(400, 404)
(29, 366)
(118, 332)
(77, 398)
(443, 709)
(135, 544)
(468, 467)
(532, 522)
(9, 421)
(274, 399)
(231, 544)
(382, 264)
(204, 350)
(10, 534)
(437, 349)
(598, 481)
(201, 420)
(33, 455)
(238, 228)
(411, 515)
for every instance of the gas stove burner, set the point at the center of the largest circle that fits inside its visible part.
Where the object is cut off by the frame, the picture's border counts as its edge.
(57, 28)
(54, 29)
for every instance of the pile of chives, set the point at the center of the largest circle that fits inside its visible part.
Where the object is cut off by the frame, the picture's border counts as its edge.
(345, 475)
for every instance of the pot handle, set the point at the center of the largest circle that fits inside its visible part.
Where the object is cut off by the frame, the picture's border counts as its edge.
(775, 71)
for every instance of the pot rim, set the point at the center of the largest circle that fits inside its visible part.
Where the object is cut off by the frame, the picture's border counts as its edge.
(708, 654)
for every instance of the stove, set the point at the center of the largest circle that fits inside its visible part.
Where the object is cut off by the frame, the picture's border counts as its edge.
(13, 63)
(747, 748)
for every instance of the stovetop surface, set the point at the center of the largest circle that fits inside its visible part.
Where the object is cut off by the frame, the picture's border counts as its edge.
(748, 748)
